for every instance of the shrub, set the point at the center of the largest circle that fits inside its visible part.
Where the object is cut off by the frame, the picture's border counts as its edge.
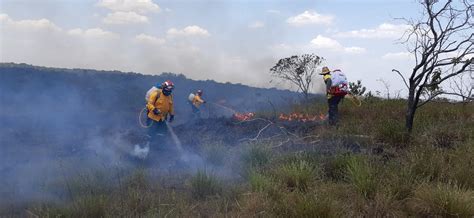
(426, 163)
(256, 156)
(462, 169)
(398, 180)
(260, 182)
(445, 200)
(335, 167)
(392, 131)
(444, 137)
(204, 184)
(296, 174)
(360, 174)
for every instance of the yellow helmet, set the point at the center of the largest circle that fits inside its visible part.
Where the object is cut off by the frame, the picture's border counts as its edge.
(325, 70)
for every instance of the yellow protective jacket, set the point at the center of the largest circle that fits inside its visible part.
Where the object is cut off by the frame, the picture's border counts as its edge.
(328, 82)
(197, 101)
(162, 102)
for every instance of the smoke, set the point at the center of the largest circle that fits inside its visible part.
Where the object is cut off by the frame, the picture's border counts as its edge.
(140, 152)
(58, 125)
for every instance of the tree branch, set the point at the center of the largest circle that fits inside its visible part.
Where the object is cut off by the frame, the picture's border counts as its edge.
(403, 78)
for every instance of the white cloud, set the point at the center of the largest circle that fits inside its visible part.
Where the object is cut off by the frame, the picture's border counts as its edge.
(310, 17)
(22, 27)
(188, 31)
(257, 24)
(321, 42)
(41, 42)
(121, 17)
(384, 30)
(143, 38)
(398, 56)
(325, 43)
(139, 6)
(94, 33)
(29, 25)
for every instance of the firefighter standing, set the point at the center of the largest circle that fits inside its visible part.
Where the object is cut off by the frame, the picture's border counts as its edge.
(196, 102)
(160, 107)
(333, 98)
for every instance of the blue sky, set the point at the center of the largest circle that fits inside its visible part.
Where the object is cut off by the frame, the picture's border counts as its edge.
(228, 41)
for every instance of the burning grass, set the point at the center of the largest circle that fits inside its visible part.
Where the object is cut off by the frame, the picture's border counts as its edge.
(299, 117)
(243, 116)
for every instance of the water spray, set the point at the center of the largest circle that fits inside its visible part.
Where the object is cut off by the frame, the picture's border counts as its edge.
(191, 159)
(175, 138)
(227, 108)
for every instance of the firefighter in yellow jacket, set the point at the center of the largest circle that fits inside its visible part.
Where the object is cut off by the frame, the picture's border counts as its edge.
(160, 107)
(197, 102)
(333, 99)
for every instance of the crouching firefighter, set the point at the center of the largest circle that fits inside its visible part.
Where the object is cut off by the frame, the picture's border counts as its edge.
(336, 89)
(196, 101)
(160, 108)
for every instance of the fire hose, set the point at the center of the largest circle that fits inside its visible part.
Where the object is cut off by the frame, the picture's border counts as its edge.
(140, 121)
(175, 138)
(354, 99)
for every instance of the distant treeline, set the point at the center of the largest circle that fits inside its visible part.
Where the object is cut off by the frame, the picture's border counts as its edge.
(44, 98)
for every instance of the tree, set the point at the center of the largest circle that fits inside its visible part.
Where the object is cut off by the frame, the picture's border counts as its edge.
(442, 44)
(462, 86)
(298, 70)
(357, 88)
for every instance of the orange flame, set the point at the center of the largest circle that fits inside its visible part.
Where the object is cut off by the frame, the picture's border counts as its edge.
(301, 117)
(298, 117)
(243, 116)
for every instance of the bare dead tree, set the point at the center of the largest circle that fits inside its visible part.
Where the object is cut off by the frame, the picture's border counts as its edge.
(462, 86)
(441, 40)
(299, 70)
(387, 87)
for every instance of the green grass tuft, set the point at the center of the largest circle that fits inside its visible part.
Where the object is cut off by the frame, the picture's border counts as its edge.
(259, 182)
(444, 200)
(296, 174)
(256, 156)
(204, 184)
(361, 175)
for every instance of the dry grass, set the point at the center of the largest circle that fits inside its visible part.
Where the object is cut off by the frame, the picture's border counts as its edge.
(430, 175)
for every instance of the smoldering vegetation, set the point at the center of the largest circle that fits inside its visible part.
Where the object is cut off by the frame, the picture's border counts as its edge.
(59, 124)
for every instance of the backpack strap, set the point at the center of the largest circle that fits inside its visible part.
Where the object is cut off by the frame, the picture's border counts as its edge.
(157, 96)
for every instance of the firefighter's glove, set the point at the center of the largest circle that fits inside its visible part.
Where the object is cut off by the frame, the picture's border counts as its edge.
(156, 111)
